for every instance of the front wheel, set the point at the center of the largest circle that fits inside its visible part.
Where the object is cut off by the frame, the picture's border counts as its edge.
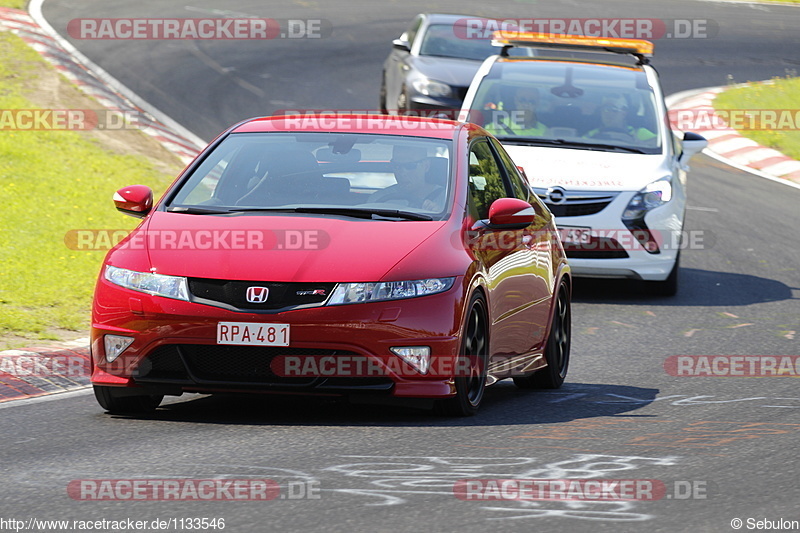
(668, 287)
(558, 345)
(119, 401)
(382, 96)
(470, 380)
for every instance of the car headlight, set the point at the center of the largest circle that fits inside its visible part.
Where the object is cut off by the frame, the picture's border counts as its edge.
(156, 284)
(653, 195)
(350, 293)
(432, 88)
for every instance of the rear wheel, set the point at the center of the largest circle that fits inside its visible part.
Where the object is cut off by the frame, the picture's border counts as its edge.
(118, 400)
(470, 380)
(557, 351)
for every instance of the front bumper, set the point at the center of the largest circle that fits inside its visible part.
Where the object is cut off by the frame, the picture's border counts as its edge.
(175, 346)
(616, 253)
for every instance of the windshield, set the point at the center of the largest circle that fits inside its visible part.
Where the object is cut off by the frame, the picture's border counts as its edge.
(339, 173)
(445, 40)
(569, 103)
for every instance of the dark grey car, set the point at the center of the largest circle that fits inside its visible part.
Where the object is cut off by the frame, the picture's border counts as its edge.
(432, 64)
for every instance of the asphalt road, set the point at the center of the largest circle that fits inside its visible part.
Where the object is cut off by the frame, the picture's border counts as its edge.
(732, 441)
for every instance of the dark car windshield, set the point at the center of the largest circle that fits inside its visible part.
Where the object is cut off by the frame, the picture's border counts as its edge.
(571, 104)
(396, 177)
(445, 40)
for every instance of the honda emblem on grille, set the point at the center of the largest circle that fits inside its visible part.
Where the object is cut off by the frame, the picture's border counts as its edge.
(257, 295)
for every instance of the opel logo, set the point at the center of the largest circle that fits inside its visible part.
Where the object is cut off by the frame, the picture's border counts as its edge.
(556, 195)
(257, 295)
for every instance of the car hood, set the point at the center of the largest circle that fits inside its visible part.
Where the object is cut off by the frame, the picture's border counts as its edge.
(279, 248)
(588, 170)
(454, 72)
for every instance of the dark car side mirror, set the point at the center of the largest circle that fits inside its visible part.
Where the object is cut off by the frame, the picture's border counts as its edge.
(400, 44)
(135, 200)
(511, 213)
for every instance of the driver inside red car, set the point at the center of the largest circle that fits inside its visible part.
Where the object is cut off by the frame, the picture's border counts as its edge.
(410, 165)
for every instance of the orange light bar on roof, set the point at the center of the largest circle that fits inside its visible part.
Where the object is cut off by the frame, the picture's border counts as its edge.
(574, 42)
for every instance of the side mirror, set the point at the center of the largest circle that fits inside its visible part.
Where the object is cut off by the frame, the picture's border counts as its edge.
(400, 44)
(692, 144)
(511, 213)
(136, 200)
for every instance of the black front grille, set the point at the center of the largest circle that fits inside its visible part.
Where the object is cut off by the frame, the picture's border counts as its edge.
(233, 294)
(221, 365)
(568, 203)
(576, 210)
(597, 248)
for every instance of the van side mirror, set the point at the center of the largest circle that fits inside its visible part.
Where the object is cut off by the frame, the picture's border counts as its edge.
(692, 144)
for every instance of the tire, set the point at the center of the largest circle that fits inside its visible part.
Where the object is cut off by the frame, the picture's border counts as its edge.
(402, 103)
(382, 97)
(668, 287)
(119, 401)
(475, 355)
(557, 351)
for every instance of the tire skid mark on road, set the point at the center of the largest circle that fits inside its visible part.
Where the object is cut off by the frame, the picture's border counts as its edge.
(398, 480)
(677, 434)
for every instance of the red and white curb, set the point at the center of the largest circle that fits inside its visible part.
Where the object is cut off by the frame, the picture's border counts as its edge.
(728, 144)
(96, 83)
(62, 367)
(40, 371)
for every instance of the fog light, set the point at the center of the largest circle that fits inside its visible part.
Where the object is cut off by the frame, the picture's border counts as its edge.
(417, 356)
(115, 345)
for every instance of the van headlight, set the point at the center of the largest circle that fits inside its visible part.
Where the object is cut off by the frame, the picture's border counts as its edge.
(653, 195)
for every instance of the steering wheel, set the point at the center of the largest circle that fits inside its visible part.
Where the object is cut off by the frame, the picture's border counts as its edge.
(401, 197)
(614, 134)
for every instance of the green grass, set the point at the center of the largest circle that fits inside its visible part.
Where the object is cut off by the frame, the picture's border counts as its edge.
(780, 93)
(16, 4)
(52, 182)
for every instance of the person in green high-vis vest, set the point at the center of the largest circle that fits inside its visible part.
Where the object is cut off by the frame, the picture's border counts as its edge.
(614, 122)
(518, 117)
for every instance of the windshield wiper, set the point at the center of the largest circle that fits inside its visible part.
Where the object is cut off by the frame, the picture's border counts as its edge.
(563, 142)
(197, 210)
(345, 211)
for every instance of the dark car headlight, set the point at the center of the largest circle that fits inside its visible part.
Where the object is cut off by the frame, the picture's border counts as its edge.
(433, 88)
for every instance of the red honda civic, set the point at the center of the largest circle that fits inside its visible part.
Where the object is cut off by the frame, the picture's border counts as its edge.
(335, 255)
